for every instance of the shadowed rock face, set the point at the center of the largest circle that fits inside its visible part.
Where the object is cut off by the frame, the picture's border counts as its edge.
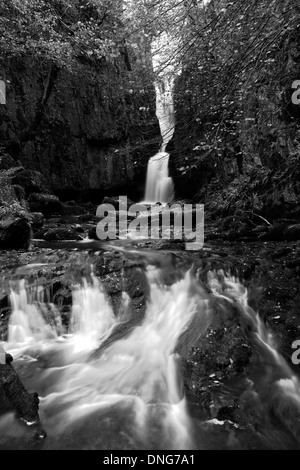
(24, 403)
(91, 137)
(14, 394)
(15, 228)
(47, 204)
(15, 397)
(15, 224)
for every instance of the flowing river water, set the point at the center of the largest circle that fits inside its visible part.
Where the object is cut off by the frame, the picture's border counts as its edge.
(129, 394)
(104, 391)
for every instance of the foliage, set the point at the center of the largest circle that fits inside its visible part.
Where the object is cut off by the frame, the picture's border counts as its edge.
(237, 73)
(88, 44)
(60, 31)
(234, 63)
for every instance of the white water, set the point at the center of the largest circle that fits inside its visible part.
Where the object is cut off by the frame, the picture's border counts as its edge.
(159, 184)
(92, 317)
(284, 392)
(165, 110)
(31, 319)
(133, 385)
(138, 373)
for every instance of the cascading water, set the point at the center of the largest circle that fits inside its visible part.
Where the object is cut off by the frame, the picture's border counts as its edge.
(159, 185)
(129, 394)
(137, 375)
(277, 391)
(92, 316)
(32, 320)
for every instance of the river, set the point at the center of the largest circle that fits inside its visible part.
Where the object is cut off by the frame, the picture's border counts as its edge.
(107, 382)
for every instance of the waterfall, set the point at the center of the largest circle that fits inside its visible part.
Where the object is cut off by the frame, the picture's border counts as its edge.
(159, 185)
(130, 394)
(137, 374)
(279, 384)
(32, 319)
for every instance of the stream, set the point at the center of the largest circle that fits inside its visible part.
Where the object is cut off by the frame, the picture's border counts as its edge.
(107, 382)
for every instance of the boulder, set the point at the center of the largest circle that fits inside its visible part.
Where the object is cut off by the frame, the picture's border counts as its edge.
(15, 227)
(47, 204)
(79, 228)
(72, 209)
(114, 201)
(20, 193)
(61, 233)
(37, 219)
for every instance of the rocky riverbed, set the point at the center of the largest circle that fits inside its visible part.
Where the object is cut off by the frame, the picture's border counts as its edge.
(227, 375)
(216, 367)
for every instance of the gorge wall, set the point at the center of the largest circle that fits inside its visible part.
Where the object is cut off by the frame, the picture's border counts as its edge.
(95, 134)
(237, 135)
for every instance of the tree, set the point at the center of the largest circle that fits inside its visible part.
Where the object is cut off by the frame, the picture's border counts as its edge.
(59, 35)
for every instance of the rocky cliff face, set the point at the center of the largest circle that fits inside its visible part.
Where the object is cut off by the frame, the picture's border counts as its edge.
(257, 149)
(92, 138)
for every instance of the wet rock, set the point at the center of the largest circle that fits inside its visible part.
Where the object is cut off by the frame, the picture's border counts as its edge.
(37, 219)
(15, 227)
(39, 233)
(119, 275)
(114, 221)
(20, 193)
(213, 355)
(92, 233)
(114, 201)
(61, 233)
(8, 358)
(79, 228)
(89, 207)
(72, 209)
(53, 221)
(170, 245)
(47, 204)
(87, 217)
(39, 434)
(181, 202)
(25, 404)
